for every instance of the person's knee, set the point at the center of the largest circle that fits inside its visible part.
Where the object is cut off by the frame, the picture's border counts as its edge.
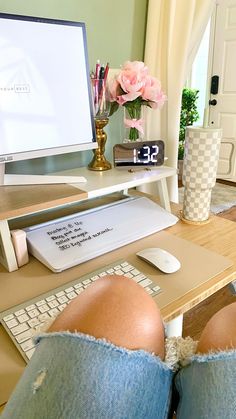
(118, 309)
(220, 331)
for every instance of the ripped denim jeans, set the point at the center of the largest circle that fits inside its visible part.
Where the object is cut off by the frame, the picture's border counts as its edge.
(75, 376)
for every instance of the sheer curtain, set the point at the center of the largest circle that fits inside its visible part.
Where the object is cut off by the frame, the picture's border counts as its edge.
(174, 31)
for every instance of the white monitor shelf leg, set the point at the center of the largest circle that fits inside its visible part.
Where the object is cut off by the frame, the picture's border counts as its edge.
(162, 191)
(2, 173)
(7, 253)
(163, 194)
(174, 327)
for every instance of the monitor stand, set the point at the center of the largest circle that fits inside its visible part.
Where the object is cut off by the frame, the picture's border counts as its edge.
(6, 180)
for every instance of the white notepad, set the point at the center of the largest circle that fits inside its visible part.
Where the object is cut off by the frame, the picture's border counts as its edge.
(69, 241)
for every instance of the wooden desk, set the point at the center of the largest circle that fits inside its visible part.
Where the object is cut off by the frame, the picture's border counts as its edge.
(218, 236)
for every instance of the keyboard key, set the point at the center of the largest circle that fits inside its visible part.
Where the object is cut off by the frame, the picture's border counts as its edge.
(9, 317)
(119, 272)
(86, 281)
(27, 345)
(19, 329)
(94, 278)
(51, 298)
(60, 294)
(53, 304)
(79, 291)
(33, 313)
(135, 272)
(31, 307)
(43, 317)
(44, 308)
(63, 299)
(29, 353)
(128, 275)
(12, 323)
(156, 288)
(19, 313)
(70, 289)
(24, 336)
(40, 303)
(71, 295)
(145, 282)
(110, 271)
(128, 268)
(149, 291)
(123, 264)
(80, 285)
(34, 322)
(102, 274)
(139, 277)
(23, 318)
(53, 312)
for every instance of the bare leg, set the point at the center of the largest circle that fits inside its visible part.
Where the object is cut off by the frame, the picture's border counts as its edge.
(119, 310)
(220, 331)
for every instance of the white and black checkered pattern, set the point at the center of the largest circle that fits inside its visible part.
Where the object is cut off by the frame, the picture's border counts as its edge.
(196, 205)
(202, 146)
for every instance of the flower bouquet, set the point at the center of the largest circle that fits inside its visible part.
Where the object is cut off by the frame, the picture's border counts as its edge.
(133, 88)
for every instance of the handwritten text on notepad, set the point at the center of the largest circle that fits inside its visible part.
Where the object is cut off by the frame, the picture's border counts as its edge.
(73, 234)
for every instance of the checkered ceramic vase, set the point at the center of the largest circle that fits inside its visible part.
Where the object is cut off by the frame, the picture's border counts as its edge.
(201, 157)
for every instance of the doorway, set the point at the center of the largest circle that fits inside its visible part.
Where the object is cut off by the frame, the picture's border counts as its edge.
(222, 63)
(217, 57)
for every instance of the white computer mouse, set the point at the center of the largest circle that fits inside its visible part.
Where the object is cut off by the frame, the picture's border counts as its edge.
(160, 259)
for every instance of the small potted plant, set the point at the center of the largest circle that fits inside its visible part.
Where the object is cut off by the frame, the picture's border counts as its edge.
(188, 115)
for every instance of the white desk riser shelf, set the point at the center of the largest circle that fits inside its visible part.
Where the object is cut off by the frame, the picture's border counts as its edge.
(55, 196)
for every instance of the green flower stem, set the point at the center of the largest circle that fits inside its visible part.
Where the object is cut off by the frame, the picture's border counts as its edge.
(134, 111)
(133, 134)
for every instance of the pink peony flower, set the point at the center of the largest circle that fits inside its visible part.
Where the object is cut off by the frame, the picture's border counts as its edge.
(130, 80)
(134, 82)
(153, 93)
(114, 87)
(133, 88)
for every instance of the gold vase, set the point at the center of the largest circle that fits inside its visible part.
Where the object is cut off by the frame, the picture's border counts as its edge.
(99, 161)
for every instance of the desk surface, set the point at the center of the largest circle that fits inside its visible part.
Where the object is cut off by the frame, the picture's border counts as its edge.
(218, 236)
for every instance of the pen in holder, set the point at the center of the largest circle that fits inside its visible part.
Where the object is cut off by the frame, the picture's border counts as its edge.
(101, 112)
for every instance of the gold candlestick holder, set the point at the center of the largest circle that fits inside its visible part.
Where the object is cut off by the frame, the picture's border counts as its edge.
(99, 161)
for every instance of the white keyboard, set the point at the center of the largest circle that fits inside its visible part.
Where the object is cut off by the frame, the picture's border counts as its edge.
(23, 321)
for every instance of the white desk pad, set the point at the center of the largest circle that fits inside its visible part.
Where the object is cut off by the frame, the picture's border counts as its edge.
(63, 243)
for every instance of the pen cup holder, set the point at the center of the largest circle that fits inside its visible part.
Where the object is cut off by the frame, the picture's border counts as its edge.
(99, 161)
(101, 105)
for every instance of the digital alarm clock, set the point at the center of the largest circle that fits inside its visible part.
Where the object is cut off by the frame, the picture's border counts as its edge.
(139, 154)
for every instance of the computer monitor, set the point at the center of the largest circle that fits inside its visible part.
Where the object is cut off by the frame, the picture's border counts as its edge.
(45, 96)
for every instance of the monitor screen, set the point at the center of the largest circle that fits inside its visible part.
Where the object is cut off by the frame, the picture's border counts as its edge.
(45, 96)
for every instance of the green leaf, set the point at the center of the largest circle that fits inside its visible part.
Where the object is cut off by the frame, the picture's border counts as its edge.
(113, 108)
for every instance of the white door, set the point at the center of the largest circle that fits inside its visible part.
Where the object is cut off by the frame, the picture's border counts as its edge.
(223, 114)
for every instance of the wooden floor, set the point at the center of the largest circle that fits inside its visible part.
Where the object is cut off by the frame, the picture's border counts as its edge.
(196, 319)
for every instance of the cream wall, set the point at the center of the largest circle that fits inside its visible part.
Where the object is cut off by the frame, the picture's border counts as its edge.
(115, 33)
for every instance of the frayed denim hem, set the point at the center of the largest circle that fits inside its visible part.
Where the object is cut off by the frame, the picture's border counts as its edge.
(73, 375)
(206, 386)
(150, 357)
(216, 355)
